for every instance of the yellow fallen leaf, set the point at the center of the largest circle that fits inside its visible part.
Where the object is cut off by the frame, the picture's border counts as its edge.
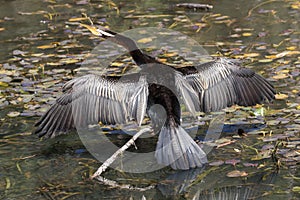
(171, 54)
(295, 5)
(145, 16)
(265, 60)
(280, 76)
(8, 183)
(246, 34)
(3, 84)
(144, 40)
(271, 56)
(69, 61)
(251, 55)
(285, 53)
(37, 54)
(48, 46)
(162, 59)
(53, 64)
(281, 96)
(2, 29)
(282, 54)
(238, 56)
(283, 71)
(77, 19)
(117, 64)
(291, 48)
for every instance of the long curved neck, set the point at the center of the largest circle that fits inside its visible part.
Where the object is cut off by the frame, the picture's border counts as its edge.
(139, 57)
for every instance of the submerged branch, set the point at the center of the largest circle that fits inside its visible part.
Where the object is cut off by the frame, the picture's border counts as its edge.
(110, 160)
(114, 184)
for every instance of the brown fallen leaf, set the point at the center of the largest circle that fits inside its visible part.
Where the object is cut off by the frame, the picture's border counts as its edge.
(225, 143)
(237, 173)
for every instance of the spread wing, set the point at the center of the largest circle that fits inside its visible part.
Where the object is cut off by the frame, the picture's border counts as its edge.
(222, 83)
(92, 99)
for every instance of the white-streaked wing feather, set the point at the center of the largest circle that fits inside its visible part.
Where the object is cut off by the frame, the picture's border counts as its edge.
(222, 83)
(92, 99)
(188, 94)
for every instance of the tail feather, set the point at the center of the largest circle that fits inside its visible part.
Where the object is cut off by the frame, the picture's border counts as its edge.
(176, 148)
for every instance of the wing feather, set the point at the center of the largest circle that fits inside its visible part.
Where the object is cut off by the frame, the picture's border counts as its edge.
(91, 99)
(221, 83)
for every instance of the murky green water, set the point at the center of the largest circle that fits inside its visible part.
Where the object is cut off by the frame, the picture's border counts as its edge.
(60, 168)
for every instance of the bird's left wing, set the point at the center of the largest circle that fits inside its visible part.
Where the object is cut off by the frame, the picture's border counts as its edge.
(91, 99)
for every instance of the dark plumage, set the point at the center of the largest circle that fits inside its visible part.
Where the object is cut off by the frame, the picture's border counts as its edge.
(207, 87)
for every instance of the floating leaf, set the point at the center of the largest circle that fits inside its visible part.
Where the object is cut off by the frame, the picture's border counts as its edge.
(37, 54)
(237, 173)
(232, 162)
(147, 16)
(33, 13)
(216, 163)
(6, 79)
(2, 29)
(281, 96)
(77, 19)
(3, 84)
(282, 54)
(13, 114)
(117, 64)
(162, 60)
(250, 164)
(246, 34)
(296, 189)
(295, 5)
(8, 183)
(291, 48)
(262, 155)
(265, 60)
(280, 76)
(69, 60)
(49, 46)
(144, 40)
(235, 35)
(196, 6)
(273, 122)
(171, 54)
(251, 55)
(19, 52)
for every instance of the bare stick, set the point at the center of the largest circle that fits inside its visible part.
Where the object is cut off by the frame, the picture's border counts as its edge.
(114, 184)
(110, 160)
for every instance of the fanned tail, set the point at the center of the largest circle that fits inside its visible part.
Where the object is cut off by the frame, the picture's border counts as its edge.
(176, 148)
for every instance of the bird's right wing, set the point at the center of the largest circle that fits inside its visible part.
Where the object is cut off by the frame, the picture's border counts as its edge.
(91, 99)
(222, 83)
